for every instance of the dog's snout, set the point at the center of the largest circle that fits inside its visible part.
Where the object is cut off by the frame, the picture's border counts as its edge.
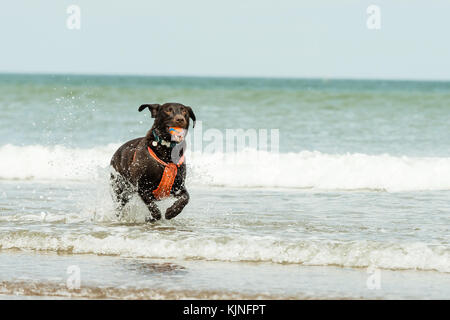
(179, 119)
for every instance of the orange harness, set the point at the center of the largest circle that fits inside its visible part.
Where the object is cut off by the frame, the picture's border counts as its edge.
(168, 177)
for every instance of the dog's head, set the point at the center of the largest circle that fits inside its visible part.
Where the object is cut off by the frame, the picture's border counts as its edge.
(170, 115)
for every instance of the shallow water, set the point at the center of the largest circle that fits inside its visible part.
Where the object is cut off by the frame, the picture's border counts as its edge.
(361, 183)
(103, 277)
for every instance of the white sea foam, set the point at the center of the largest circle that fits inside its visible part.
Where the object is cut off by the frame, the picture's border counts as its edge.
(404, 256)
(247, 168)
(53, 162)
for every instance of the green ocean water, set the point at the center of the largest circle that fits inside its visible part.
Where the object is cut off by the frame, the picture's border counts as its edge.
(332, 116)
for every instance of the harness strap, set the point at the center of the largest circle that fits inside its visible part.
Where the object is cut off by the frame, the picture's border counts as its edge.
(152, 153)
(168, 177)
(166, 183)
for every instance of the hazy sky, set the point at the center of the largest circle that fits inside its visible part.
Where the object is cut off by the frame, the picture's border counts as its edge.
(284, 38)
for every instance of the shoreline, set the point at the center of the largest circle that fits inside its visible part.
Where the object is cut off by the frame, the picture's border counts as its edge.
(28, 275)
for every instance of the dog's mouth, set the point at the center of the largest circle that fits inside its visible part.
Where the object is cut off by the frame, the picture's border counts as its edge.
(177, 134)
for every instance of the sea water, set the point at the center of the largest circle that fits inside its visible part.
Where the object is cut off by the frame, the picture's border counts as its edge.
(355, 203)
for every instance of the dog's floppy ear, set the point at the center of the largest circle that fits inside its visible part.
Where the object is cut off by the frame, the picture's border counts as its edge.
(191, 115)
(153, 108)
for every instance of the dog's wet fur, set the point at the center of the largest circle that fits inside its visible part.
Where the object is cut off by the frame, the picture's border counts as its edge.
(143, 174)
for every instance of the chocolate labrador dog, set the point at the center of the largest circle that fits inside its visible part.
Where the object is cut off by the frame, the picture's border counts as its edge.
(153, 166)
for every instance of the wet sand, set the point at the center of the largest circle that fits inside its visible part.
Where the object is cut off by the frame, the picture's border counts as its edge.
(31, 275)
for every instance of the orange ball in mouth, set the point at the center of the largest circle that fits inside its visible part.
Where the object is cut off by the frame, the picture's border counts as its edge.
(177, 133)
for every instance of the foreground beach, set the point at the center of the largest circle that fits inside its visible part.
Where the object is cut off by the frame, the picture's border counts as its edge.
(222, 254)
(43, 275)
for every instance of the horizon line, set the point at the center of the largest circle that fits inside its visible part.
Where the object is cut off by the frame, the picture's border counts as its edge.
(94, 74)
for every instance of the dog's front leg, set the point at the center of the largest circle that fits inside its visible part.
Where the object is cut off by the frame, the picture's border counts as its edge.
(155, 213)
(175, 209)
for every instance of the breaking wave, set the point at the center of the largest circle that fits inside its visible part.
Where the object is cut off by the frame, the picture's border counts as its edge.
(362, 253)
(247, 168)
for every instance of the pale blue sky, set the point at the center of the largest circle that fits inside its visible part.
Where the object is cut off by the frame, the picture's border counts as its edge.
(285, 38)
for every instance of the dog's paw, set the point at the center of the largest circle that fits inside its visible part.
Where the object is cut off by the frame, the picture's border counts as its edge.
(150, 219)
(154, 216)
(172, 212)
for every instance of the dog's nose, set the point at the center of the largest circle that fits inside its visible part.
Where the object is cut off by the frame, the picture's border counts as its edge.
(180, 120)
